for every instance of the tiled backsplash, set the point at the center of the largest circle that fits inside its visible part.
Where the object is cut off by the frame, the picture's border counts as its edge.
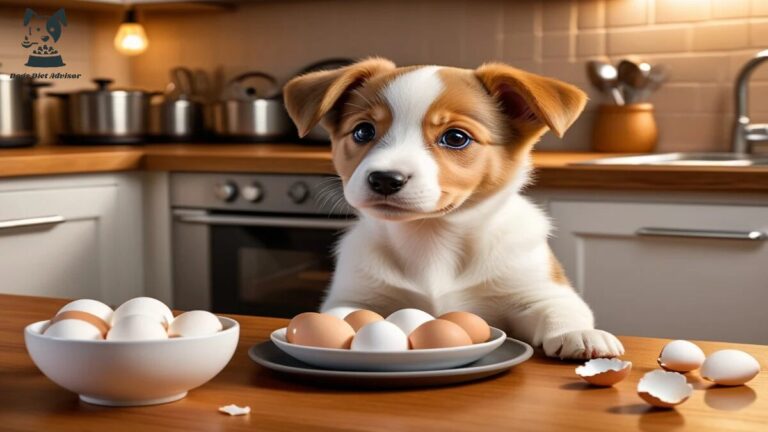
(703, 43)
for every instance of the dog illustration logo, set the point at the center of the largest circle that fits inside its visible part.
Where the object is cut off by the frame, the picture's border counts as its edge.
(40, 35)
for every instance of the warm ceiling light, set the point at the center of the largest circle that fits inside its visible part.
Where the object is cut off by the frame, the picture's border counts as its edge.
(131, 39)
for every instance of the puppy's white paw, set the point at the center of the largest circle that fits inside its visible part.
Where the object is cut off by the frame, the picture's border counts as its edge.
(583, 344)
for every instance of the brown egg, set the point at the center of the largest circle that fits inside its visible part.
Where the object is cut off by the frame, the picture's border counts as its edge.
(362, 317)
(438, 333)
(319, 330)
(476, 327)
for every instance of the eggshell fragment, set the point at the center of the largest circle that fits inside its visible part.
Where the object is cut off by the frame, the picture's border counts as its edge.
(341, 312)
(320, 330)
(144, 306)
(380, 336)
(409, 319)
(604, 372)
(360, 318)
(137, 328)
(74, 329)
(93, 307)
(476, 327)
(664, 389)
(438, 333)
(194, 323)
(681, 356)
(730, 367)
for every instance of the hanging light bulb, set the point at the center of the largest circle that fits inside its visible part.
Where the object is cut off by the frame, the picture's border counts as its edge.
(131, 39)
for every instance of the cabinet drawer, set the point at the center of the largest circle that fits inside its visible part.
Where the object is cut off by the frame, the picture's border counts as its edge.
(668, 270)
(61, 258)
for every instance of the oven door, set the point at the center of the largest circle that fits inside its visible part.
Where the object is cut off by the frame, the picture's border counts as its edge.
(251, 264)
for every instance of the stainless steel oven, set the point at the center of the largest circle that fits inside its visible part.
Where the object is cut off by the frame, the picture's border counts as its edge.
(254, 244)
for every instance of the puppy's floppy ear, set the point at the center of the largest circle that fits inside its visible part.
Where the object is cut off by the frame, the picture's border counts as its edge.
(311, 97)
(54, 22)
(28, 15)
(529, 97)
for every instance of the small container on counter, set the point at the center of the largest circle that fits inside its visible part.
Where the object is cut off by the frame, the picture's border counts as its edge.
(625, 129)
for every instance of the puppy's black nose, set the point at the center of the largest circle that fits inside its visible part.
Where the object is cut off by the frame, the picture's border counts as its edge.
(386, 182)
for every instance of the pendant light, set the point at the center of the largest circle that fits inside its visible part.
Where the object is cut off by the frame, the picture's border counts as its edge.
(131, 39)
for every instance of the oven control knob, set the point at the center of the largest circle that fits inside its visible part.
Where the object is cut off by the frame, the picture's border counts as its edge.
(226, 191)
(253, 192)
(299, 192)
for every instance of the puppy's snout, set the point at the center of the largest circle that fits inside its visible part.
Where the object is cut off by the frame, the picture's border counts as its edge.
(386, 182)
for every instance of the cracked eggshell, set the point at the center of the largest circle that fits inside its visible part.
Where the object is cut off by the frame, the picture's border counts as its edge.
(681, 356)
(729, 367)
(604, 372)
(664, 389)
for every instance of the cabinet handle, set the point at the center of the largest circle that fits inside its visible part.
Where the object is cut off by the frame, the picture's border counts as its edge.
(709, 234)
(34, 221)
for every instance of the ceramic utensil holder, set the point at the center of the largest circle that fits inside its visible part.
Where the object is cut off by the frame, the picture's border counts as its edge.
(625, 129)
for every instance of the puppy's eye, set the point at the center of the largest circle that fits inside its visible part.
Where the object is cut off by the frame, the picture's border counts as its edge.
(455, 139)
(364, 133)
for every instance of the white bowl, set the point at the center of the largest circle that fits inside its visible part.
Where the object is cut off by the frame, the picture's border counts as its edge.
(388, 361)
(131, 373)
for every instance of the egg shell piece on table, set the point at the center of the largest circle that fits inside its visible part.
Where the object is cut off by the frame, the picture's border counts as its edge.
(438, 333)
(194, 323)
(144, 306)
(681, 356)
(476, 327)
(319, 330)
(409, 319)
(93, 307)
(380, 336)
(360, 318)
(137, 328)
(341, 312)
(664, 389)
(74, 329)
(604, 372)
(729, 367)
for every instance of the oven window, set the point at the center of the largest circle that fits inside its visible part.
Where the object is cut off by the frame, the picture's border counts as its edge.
(270, 271)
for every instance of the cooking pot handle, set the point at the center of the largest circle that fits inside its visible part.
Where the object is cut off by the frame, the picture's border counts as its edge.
(265, 76)
(103, 83)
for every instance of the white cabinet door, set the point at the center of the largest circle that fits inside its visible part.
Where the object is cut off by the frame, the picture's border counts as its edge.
(79, 255)
(699, 287)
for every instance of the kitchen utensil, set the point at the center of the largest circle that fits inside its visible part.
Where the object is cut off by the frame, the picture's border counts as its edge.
(17, 110)
(178, 115)
(633, 77)
(252, 110)
(410, 360)
(510, 353)
(656, 77)
(625, 129)
(103, 115)
(132, 373)
(604, 77)
(318, 133)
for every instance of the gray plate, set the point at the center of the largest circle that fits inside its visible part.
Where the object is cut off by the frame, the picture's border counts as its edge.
(512, 352)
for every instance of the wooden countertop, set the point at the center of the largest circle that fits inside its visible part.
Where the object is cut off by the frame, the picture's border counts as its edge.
(541, 394)
(553, 169)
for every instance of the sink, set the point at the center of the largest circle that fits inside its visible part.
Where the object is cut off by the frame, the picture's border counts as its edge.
(684, 159)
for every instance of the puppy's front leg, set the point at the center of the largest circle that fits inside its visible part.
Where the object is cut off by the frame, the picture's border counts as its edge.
(559, 320)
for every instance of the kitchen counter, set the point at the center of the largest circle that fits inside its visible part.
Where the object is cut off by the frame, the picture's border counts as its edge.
(552, 168)
(541, 394)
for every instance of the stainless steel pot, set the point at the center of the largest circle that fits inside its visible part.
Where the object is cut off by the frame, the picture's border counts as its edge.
(104, 116)
(247, 114)
(178, 114)
(17, 111)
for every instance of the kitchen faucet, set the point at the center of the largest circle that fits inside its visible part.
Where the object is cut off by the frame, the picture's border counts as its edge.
(745, 133)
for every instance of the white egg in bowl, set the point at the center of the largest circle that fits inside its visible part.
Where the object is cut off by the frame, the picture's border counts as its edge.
(132, 372)
(397, 360)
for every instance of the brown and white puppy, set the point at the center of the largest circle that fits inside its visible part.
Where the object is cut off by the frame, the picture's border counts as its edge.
(434, 159)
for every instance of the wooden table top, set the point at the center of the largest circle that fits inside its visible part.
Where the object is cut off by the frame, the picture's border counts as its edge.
(541, 394)
(553, 169)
